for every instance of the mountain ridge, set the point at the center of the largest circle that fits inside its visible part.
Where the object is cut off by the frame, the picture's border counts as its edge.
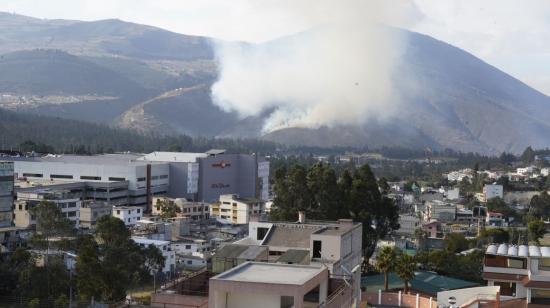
(455, 101)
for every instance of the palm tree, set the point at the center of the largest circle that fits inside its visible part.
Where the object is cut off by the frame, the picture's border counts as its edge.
(405, 268)
(385, 262)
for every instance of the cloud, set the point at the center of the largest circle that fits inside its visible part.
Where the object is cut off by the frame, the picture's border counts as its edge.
(338, 73)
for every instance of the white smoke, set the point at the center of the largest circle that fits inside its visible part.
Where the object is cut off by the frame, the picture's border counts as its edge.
(337, 73)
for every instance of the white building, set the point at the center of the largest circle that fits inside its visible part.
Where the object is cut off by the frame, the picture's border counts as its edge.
(237, 210)
(166, 249)
(520, 271)
(196, 247)
(525, 170)
(545, 171)
(453, 194)
(188, 209)
(128, 214)
(491, 191)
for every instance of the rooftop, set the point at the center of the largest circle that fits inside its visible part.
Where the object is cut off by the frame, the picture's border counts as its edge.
(147, 241)
(233, 251)
(518, 251)
(172, 157)
(103, 159)
(258, 272)
(293, 256)
(291, 235)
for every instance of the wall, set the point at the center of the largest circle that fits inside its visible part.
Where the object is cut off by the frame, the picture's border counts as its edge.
(6, 193)
(464, 296)
(240, 300)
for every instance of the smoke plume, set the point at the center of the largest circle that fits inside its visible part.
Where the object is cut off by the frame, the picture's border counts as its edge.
(338, 72)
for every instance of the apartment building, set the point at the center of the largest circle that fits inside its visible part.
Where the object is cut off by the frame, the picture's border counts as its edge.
(192, 210)
(164, 247)
(520, 271)
(67, 202)
(6, 193)
(130, 215)
(237, 210)
(92, 211)
(491, 191)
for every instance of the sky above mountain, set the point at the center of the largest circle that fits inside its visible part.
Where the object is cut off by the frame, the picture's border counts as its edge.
(512, 35)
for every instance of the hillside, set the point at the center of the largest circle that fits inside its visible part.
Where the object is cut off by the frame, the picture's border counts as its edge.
(151, 80)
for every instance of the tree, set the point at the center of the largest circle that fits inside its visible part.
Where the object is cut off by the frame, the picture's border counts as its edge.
(385, 263)
(291, 193)
(383, 184)
(378, 214)
(536, 229)
(528, 155)
(456, 242)
(167, 208)
(88, 269)
(323, 186)
(405, 268)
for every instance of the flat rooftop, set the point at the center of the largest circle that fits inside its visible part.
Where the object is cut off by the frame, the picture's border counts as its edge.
(103, 159)
(172, 157)
(271, 273)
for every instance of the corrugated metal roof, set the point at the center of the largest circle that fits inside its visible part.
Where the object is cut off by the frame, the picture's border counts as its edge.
(518, 251)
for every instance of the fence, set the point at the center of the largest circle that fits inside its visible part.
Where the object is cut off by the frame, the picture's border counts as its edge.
(399, 299)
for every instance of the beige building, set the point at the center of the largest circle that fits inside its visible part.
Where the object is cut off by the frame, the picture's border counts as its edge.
(92, 211)
(269, 285)
(237, 210)
(68, 203)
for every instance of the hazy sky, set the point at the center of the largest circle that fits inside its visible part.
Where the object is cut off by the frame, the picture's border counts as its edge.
(512, 35)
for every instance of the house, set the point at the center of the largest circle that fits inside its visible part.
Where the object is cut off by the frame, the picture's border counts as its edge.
(433, 229)
(128, 214)
(164, 247)
(496, 219)
(66, 201)
(254, 284)
(520, 271)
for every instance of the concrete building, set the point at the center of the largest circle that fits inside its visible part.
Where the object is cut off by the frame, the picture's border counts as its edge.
(164, 247)
(129, 214)
(92, 211)
(335, 245)
(442, 211)
(237, 210)
(545, 171)
(231, 255)
(207, 176)
(195, 211)
(194, 176)
(67, 202)
(453, 194)
(6, 193)
(144, 178)
(520, 271)
(269, 285)
(407, 225)
(491, 191)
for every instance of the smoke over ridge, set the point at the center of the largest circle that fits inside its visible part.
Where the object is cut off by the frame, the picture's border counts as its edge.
(339, 72)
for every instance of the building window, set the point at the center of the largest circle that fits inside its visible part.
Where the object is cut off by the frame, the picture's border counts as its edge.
(71, 214)
(71, 204)
(138, 210)
(141, 179)
(164, 176)
(91, 178)
(128, 219)
(60, 176)
(33, 175)
(116, 179)
(261, 233)
(118, 212)
(317, 247)
(187, 246)
(189, 262)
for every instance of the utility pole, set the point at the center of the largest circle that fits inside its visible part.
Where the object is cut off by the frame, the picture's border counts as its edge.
(70, 288)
